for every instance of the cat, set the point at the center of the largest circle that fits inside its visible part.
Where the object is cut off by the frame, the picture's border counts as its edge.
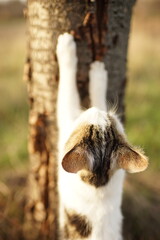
(94, 154)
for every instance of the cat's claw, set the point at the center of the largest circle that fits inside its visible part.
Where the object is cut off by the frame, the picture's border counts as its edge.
(66, 49)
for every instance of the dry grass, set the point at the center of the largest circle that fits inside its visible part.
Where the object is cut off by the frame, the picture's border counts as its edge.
(12, 202)
(141, 207)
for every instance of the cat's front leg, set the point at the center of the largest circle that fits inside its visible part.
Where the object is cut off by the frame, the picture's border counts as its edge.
(68, 105)
(98, 79)
(66, 52)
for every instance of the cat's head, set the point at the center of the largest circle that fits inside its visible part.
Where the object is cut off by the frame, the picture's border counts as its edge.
(98, 147)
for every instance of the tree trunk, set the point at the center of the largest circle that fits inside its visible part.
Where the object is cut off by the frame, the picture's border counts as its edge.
(101, 31)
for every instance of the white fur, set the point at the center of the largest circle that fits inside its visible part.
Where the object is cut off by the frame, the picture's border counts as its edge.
(68, 103)
(100, 205)
(98, 85)
(93, 116)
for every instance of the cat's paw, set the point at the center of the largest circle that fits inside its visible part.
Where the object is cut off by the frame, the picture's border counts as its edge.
(98, 80)
(97, 67)
(66, 49)
(97, 73)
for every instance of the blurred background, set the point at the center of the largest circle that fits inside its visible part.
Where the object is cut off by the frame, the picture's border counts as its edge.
(141, 204)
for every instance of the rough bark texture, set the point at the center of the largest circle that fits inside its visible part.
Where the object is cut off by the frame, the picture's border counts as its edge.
(41, 65)
(101, 31)
(119, 16)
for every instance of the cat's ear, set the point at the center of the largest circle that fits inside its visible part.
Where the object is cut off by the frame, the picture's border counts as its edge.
(131, 159)
(75, 160)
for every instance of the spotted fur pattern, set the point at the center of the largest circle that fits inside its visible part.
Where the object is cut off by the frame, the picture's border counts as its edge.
(93, 154)
(77, 226)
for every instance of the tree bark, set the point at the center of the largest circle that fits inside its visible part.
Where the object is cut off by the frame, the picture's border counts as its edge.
(119, 17)
(101, 30)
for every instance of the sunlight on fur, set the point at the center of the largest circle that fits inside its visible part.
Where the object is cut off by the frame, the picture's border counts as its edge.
(93, 153)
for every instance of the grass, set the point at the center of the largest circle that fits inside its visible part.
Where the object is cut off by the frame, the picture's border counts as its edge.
(143, 91)
(140, 204)
(13, 106)
(141, 199)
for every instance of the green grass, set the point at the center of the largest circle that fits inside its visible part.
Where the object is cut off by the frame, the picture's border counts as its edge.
(13, 104)
(143, 91)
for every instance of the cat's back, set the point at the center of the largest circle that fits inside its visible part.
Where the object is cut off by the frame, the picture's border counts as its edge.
(98, 207)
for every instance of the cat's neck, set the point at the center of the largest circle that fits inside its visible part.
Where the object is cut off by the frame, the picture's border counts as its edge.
(83, 194)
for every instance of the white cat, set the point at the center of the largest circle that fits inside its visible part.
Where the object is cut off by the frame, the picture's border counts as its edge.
(93, 154)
